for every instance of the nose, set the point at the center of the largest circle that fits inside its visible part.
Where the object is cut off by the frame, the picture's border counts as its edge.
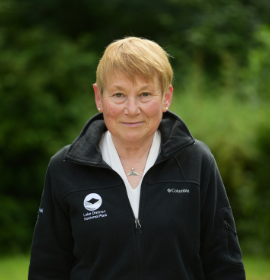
(132, 106)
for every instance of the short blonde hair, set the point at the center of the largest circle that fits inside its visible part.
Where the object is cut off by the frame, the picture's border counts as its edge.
(135, 57)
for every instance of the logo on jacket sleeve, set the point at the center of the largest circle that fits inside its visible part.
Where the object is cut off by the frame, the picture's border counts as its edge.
(92, 201)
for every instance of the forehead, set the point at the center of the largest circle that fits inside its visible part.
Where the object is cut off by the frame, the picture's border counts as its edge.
(119, 80)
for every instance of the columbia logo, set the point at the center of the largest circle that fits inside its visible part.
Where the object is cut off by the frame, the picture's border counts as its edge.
(177, 191)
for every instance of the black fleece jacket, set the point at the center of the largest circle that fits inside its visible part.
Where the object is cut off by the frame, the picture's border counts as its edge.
(86, 229)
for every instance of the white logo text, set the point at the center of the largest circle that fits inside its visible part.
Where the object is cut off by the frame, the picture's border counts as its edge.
(177, 191)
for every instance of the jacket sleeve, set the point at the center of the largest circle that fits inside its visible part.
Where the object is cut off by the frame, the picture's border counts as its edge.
(51, 253)
(220, 251)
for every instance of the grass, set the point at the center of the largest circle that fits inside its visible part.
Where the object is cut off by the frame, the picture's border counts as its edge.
(16, 268)
(257, 268)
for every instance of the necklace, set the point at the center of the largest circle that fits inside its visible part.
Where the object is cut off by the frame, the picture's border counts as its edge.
(132, 172)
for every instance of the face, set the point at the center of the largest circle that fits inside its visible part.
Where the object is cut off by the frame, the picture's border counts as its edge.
(132, 110)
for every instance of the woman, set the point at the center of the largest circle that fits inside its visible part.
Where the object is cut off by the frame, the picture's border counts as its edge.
(135, 196)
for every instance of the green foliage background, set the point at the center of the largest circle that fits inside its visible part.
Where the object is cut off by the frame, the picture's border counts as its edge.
(49, 51)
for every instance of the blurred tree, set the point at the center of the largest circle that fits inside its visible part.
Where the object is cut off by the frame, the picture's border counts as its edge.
(191, 30)
(45, 91)
(261, 216)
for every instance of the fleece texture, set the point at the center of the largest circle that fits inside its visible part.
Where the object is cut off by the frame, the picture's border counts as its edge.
(86, 229)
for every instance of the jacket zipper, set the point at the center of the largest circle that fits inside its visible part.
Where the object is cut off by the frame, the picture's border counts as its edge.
(138, 225)
(139, 247)
(230, 238)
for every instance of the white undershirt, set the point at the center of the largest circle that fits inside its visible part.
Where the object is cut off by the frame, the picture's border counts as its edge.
(110, 156)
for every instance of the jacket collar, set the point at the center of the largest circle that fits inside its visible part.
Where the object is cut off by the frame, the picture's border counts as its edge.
(85, 149)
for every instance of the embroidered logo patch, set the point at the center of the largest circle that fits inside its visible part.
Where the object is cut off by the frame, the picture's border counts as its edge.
(92, 201)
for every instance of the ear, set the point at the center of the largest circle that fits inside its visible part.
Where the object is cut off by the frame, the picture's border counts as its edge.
(167, 99)
(98, 98)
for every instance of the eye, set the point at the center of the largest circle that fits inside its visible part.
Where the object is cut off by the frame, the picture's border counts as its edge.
(118, 94)
(145, 94)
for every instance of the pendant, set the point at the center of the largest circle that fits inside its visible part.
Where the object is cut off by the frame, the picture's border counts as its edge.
(133, 173)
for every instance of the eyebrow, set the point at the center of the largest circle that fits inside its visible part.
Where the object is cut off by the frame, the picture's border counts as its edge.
(122, 88)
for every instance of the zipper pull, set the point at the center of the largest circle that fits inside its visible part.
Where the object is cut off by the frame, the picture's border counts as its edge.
(229, 227)
(138, 225)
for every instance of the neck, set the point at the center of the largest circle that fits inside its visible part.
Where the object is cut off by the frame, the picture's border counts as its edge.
(133, 151)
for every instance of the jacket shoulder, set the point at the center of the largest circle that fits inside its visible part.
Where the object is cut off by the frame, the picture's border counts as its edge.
(203, 150)
(60, 155)
(59, 163)
(66, 175)
(195, 160)
(199, 151)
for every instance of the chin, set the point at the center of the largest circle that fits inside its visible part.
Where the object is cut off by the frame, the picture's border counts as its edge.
(134, 136)
(130, 138)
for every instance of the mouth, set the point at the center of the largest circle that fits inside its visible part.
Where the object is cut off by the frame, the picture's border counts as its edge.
(132, 124)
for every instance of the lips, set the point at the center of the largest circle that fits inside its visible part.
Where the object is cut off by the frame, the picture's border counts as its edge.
(132, 124)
